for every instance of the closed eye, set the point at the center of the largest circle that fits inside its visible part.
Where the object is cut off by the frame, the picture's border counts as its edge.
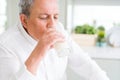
(44, 17)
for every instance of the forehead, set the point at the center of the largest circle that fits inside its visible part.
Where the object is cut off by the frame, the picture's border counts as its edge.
(45, 5)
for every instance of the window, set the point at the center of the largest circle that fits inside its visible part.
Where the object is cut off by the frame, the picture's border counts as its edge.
(2, 15)
(97, 13)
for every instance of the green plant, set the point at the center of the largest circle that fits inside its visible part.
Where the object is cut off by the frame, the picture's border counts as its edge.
(101, 34)
(101, 28)
(85, 29)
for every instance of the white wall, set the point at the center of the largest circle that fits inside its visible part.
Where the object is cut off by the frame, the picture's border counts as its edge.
(62, 4)
(97, 2)
(12, 12)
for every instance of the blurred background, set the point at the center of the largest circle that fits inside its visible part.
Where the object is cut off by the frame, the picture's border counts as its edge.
(93, 24)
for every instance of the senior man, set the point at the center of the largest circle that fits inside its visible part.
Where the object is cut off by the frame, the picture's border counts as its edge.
(27, 51)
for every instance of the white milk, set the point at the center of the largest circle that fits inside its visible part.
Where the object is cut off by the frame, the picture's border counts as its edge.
(62, 48)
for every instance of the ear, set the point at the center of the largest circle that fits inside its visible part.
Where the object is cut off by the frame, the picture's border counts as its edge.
(23, 19)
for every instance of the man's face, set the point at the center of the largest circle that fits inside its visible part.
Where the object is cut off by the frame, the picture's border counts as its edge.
(43, 14)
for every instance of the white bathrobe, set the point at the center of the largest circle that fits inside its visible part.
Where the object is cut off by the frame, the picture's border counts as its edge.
(16, 46)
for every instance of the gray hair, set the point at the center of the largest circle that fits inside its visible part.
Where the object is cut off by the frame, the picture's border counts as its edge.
(25, 6)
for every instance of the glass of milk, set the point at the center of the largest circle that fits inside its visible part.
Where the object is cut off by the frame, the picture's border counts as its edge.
(62, 48)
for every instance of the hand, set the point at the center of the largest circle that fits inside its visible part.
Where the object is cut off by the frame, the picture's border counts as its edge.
(50, 37)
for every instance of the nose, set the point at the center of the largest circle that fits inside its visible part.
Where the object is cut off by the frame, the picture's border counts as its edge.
(51, 23)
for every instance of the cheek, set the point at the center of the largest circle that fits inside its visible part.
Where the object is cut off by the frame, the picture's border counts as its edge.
(40, 28)
(36, 29)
